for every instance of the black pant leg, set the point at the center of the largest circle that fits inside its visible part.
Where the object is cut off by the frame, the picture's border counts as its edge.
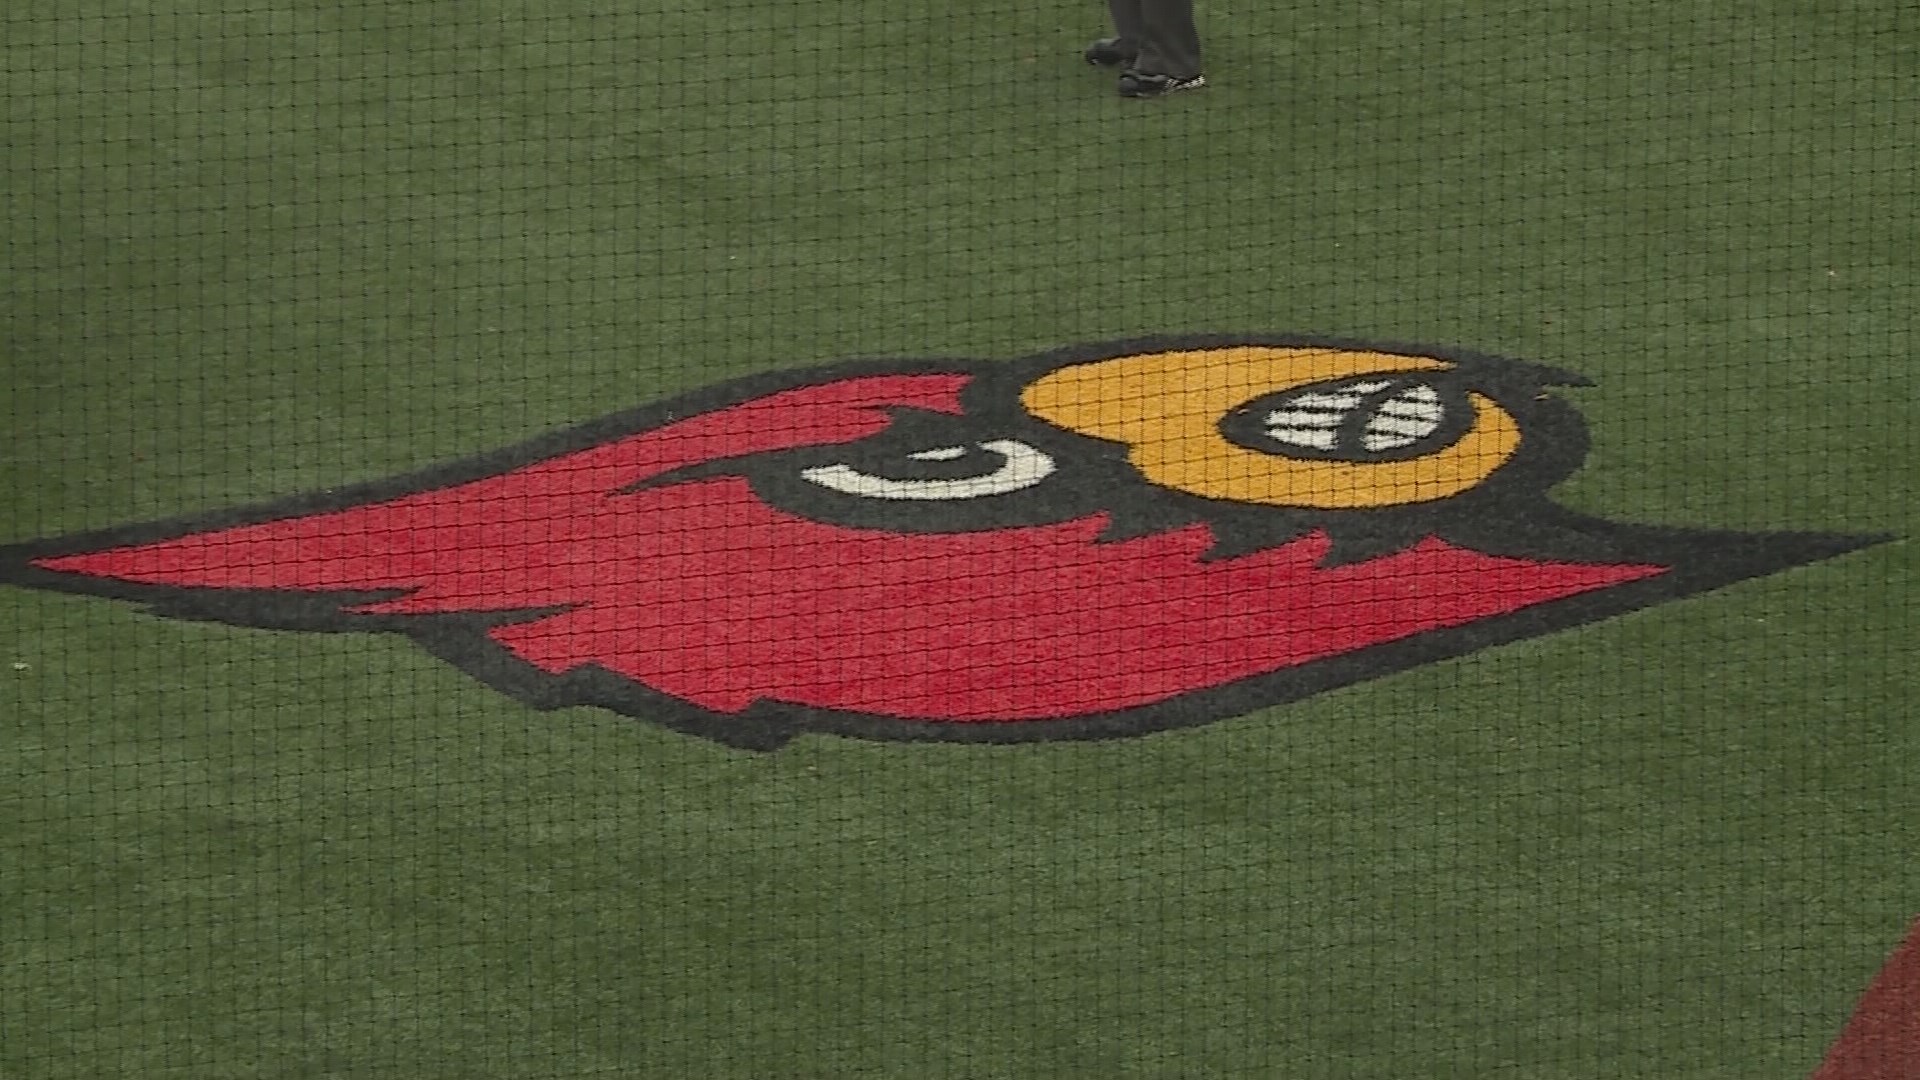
(1128, 24)
(1169, 41)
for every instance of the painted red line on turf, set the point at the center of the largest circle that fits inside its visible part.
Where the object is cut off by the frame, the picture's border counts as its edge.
(1882, 1041)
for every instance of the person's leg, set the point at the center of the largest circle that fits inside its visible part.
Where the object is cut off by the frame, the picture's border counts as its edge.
(1129, 24)
(1120, 49)
(1168, 41)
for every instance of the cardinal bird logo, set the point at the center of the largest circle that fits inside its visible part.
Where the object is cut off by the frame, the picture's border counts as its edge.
(1099, 541)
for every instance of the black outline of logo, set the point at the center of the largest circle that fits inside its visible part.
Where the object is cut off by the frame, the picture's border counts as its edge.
(1509, 511)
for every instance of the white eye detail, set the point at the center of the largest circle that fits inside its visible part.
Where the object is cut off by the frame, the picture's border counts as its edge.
(1021, 466)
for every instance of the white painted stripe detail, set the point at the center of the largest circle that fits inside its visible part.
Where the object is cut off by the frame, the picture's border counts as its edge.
(1396, 425)
(1423, 405)
(1304, 418)
(1318, 438)
(1024, 467)
(1328, 402)
(1386, 442)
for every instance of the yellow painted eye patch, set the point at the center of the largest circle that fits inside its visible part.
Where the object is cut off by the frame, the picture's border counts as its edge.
(1167, 407)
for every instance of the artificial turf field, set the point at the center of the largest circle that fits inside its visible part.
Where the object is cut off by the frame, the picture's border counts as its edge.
(265, 248)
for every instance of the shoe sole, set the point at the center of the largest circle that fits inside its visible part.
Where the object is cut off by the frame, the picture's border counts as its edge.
(1199, 83)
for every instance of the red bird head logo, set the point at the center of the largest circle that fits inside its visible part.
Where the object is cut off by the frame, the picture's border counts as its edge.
(1099, 541)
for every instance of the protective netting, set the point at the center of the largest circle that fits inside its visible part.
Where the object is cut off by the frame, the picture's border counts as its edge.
(778, 538)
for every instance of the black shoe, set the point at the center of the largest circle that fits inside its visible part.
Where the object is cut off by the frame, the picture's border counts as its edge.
(1107, 53)
(1140, 84)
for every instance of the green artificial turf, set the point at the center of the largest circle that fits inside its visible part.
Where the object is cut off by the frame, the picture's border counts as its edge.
(258, 248)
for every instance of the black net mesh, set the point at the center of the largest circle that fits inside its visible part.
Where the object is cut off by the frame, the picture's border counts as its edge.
(792, 539)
